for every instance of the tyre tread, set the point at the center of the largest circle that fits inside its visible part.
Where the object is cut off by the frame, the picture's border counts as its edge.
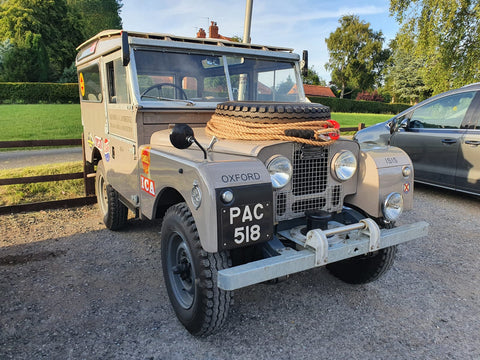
(215, 302)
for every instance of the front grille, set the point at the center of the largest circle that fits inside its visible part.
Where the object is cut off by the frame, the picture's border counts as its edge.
(309, 188)
(310, 173)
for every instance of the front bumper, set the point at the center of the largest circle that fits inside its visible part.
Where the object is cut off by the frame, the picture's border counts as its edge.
(318, 248)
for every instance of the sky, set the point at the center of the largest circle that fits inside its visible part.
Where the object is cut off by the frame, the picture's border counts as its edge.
(297, 24)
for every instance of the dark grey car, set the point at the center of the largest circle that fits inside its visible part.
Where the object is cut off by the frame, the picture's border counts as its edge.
(442, 137)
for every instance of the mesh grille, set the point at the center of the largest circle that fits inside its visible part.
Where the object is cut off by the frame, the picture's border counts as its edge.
(310, 171)
(309, 188)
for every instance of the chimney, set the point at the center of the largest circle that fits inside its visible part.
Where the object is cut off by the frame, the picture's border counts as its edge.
(213, 31)
(201, 34)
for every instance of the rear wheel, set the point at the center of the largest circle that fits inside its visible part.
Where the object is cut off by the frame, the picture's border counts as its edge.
(190, 274)
(114, 212)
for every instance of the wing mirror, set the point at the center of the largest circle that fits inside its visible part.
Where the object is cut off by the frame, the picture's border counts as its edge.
(182, 137)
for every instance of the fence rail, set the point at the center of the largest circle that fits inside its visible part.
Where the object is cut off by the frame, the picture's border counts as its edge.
(89, 180)
(89, 197)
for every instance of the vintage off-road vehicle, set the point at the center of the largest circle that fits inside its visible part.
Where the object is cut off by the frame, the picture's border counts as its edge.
(267, 188)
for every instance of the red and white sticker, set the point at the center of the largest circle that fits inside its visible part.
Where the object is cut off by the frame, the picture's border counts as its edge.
(98, 142)
(406, 187)
(147, 185)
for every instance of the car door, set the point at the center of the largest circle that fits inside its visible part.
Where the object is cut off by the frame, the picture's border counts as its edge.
(120, 143)
(468, 163)
(432, 137)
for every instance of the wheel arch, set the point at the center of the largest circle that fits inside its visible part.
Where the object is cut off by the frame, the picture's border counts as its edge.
(96, 156)
(165, 199)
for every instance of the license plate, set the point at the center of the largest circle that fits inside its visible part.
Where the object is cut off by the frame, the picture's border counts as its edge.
(246, 224)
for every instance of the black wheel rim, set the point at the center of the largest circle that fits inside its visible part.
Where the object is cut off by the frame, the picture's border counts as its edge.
(180, 270)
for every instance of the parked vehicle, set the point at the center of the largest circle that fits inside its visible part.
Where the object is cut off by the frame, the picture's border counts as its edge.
(442, 137)
(163, 118)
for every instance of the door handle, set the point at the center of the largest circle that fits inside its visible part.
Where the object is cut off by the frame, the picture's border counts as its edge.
(449, 141)
(471, 142)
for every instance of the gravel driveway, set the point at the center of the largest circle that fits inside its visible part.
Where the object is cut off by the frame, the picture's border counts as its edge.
(70, 289)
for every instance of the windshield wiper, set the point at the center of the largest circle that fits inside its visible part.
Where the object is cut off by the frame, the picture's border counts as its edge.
(188, 102)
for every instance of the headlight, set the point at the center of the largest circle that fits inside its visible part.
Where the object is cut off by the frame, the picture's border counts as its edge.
(280, 170)
(392, 207)
(344, 165)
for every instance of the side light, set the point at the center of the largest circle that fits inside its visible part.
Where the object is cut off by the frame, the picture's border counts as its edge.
(392, 207)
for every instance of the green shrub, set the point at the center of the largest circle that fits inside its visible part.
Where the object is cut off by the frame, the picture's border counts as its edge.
(34, 93)
(353, 106)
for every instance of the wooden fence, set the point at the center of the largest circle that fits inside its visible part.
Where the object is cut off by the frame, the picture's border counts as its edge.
(88, 175)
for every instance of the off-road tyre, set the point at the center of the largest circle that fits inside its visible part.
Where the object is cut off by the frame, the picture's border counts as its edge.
(365, 268)
(264, 112)
(113, 211)
(190, 274)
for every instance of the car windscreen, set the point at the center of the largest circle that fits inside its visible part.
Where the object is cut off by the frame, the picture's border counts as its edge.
(168, 76)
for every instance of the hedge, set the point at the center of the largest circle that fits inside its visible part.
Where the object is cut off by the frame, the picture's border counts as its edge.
(34, 93)
(354, 106)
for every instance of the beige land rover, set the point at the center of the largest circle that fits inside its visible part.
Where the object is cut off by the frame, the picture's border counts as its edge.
(252, 181)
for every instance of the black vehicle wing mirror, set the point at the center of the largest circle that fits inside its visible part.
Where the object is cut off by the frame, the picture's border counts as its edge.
(182, 137)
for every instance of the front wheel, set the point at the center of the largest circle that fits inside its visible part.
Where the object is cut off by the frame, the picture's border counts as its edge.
(365, 268)
(190, 274)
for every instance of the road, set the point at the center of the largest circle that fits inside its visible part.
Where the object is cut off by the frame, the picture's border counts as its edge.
(22, 158)
(70, 289)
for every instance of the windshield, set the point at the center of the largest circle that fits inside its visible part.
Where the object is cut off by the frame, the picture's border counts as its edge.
(194, 78)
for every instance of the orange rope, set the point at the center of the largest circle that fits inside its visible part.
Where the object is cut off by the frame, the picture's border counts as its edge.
(230, 128)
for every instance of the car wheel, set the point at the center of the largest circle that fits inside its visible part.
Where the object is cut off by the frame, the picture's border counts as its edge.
(365, 268)
(113, 211)
(190, 274)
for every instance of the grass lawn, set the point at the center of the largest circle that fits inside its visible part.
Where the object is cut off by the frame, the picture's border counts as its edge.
(353, 119)
(63, 121)
(46, 191)
(40, 122)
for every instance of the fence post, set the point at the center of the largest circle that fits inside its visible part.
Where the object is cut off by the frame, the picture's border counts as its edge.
(88, 169)
(361, 126)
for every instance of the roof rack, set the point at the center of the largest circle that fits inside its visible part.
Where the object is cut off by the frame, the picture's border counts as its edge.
(167, 37)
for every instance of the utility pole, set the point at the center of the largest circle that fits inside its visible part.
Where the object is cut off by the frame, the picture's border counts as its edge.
(248, 22)
(242, 81)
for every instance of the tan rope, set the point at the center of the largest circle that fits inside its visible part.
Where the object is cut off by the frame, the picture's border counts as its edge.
(230, 128)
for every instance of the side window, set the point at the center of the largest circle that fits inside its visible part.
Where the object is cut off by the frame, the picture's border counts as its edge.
(445, 113)
(89, 82)
(117, 83)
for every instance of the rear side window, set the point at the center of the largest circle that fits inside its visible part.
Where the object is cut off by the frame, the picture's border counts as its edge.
(445, 113)
(89, 82)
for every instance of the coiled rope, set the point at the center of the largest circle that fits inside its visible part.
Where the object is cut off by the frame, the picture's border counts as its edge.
(316, 133)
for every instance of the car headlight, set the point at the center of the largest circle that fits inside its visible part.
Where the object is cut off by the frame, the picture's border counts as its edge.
(344, 165)
(280, 169)
(392, 207)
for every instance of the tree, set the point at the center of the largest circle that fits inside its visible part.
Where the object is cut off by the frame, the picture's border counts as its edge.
(356, 54)
(312, 78)
(96, 15)
(34, 62)
(446, 34)
(49, 21)
(404, 76)
(57, 27)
